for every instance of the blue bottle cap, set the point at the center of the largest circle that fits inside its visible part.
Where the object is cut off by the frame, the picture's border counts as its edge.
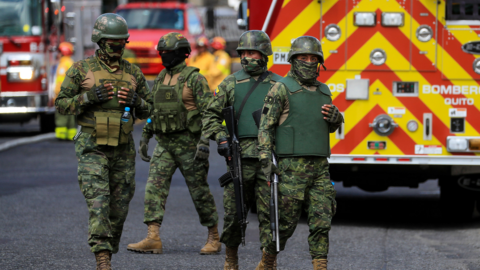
(333, 184)
(127, 109)
(149, 120)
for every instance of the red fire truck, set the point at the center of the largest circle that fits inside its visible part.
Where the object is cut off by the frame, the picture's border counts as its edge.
(148, 21)
(30, 31)
(405, 74)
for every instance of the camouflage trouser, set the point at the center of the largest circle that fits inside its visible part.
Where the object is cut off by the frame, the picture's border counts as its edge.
(255, 190)
(305, 182)
(177, 150)
(106, 175)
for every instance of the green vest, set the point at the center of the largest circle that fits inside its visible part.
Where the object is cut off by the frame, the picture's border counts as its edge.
(104, 118)
(304, 132)
(246, 124)
(169, 113)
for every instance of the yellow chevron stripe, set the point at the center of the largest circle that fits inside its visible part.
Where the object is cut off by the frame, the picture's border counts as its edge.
(285, 2)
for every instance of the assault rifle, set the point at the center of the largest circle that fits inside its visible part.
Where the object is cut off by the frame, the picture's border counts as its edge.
(273, 191)
(235, 169)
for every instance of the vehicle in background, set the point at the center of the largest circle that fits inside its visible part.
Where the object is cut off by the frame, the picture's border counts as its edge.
(30, 32)
(148, 21)
(406, 75)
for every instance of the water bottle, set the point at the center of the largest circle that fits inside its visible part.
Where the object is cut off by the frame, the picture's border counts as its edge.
(126, 115)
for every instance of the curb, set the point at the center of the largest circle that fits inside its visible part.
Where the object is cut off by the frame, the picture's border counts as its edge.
(17, 142)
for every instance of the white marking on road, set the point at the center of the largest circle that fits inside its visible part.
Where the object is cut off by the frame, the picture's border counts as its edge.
(34, 139)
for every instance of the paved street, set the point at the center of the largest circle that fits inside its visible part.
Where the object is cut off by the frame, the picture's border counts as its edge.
(43, 222)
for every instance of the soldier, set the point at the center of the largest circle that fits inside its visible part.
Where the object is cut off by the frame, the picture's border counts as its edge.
(220, 67)
(254, 48)
(202, 59)
(65, 126)
(181, 95)
(97, 90)
(294, 123)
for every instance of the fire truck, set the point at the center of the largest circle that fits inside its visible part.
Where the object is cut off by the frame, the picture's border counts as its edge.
(148, 21)
(30, 32)
(405, 75)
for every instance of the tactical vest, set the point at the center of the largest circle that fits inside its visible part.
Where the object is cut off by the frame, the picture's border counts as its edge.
(304, 132)
(104, 118)
(169, 113)
(246, 124)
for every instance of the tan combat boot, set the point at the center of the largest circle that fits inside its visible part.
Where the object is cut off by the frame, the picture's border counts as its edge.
(320, 264)
(231, 258)
(268, 262)
(103, 260)
(213, 245)
(151, 244)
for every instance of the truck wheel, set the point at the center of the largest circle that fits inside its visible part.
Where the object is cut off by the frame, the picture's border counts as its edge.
(47, 123)
(456, 203)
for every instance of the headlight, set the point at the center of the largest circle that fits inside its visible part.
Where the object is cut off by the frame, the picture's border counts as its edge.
(463, 144)
(392, 19)
(457, 144)
(365, 18)
(19, 74)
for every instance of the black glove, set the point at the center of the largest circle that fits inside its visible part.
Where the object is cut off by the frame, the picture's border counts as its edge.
(223, 149)
(143, 150)
(203, 149)
(334, 116)
(132, 99)
(268, 168)
(98, 94)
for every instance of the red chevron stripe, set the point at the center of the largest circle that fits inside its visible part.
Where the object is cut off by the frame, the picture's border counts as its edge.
(287, 15)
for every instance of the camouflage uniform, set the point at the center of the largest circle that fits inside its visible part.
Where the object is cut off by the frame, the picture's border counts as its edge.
(106, 174)
(304, 180)
(255, 186)
(177, 150)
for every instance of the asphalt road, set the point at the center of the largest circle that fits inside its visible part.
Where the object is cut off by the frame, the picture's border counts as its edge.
(43, 222)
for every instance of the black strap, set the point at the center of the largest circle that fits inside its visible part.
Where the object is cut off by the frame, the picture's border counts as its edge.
(260, 79)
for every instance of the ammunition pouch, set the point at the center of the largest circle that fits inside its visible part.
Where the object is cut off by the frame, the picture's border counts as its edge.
(109, 129)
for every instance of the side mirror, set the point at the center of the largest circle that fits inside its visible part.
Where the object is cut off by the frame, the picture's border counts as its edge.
(242, 20)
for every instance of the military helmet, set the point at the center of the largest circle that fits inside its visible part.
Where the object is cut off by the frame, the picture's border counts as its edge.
(203, 42)
(173, 41)
(110, 25)
(255, 40)
(306, 45)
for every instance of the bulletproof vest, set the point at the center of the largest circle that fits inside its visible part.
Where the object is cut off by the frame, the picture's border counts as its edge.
(105, 117)
(304, 132)
(246, 124)
(169, 113)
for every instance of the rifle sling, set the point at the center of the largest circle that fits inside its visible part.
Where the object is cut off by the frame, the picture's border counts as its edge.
(260, 79)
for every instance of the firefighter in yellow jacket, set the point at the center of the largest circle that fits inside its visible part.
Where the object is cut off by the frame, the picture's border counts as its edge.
(220, 67)
(65, 125)
(202, 59)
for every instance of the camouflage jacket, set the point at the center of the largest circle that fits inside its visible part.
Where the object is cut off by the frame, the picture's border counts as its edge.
(275, 113)
(196, 92)
(213, 118)
(71, 100)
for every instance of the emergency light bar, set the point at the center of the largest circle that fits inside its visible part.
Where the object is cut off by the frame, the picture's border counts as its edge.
(364, 18)
(392, 19)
